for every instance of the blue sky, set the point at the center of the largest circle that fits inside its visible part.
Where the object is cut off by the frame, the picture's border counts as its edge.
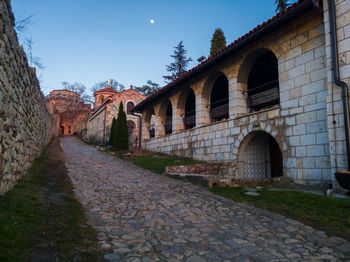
(89, 41)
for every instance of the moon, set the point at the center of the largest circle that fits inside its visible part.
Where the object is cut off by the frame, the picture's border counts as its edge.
(152, 21)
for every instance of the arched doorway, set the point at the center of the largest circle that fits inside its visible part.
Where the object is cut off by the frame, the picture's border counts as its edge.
(190, 110)
(219, 99)
(263, 84)
(259, 157)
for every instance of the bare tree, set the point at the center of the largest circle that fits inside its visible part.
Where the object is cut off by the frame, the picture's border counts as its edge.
(80, 89)
(34, 61)
(22, 24)
(114, 84)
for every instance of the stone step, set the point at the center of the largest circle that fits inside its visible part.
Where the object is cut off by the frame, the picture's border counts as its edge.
(200, 179)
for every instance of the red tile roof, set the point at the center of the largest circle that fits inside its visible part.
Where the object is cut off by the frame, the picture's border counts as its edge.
(106, 90)
(259, 28)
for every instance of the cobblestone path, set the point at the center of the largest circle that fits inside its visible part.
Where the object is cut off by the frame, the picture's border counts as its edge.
(143, 216)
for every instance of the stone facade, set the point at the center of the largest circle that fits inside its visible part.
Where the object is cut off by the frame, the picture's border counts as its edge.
(69, 112)
(299, 122)
(25, 123)
(106, 107)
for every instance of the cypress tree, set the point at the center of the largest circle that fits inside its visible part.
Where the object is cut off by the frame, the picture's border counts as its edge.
(112, 135)
(218, 41)
(122, 136)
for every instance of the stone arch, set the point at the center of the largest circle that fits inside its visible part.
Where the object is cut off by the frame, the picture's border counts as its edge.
(186, 104)
(247, 135)
(148, 125)
(258, 78)
(215, 96)
(165, 116)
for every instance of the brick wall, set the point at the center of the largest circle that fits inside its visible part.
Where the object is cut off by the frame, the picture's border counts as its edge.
(25, 124)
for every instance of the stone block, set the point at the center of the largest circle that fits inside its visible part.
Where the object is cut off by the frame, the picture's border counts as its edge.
(297, 71)
(315, 150)
(308, 139)
(290, 121)
(292, 103)
(322, 162)
(313, 88)
(304, 58)
(315, 65)
(300, 151)
(273, 113)
(295, 93)
(344, 45)
(289, 162)
(293, 52)
(306, 117)
(307, 100)
(294, 140)
(297, 110)
(344, 71)
(287, 85)
(322, 138)
(309, 162)
(319, 74)
(302, 80)
(315, 107)
(320, 51)
(299, 129)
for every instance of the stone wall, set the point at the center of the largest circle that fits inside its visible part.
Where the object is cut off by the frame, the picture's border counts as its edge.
(25, 124)
(335, 111)
(298, 123)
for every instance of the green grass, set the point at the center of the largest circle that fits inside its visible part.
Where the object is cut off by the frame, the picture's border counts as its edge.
(42, 216)
(157, 162)
(321, 212)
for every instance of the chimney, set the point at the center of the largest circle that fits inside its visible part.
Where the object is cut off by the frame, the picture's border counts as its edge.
(131, 87)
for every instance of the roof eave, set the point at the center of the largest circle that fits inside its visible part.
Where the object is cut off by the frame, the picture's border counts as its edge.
(278, 22)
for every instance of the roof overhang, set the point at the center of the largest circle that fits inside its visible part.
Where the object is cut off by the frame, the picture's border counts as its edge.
(272, 24)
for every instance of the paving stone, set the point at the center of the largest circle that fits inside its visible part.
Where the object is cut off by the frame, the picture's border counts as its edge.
(143, 216)
(112, 256)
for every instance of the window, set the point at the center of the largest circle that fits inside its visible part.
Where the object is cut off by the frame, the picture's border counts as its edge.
(129, 107)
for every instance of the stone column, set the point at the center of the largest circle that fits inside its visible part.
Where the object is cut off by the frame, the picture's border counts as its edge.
(202, 105)
(159, 126)
(145, 126)
(178, 113)
(237, 99)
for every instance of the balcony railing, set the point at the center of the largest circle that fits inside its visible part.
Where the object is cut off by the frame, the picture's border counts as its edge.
(168, 125)
(190, 119)
(264, 95)
(219, 110)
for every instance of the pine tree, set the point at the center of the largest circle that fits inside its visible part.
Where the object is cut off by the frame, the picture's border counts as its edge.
(122, 136)
(281, 4)
(218, 41)
(112, 135)
(179, 66)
